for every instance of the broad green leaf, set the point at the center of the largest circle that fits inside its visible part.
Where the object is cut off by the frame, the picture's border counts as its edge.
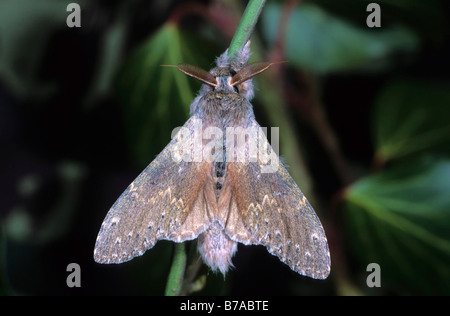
(321, 42)
(400, 219)
(410, 117)
(425, 18)
(156, 99)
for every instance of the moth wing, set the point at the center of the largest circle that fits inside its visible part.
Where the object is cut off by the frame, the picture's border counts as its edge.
(276, 214)
(164, 202)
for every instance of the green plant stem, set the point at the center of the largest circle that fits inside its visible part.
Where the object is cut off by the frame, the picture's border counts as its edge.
(246, 26)
(175, 279)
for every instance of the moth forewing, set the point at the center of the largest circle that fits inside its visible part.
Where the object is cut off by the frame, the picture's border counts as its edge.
(267, 156)
(156, 205)
(277, 215)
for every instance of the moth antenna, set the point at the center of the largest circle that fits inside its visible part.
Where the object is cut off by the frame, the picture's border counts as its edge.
(196, 72)
(250, 71)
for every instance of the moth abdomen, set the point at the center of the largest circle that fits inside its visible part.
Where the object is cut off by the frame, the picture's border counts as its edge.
(216, 248)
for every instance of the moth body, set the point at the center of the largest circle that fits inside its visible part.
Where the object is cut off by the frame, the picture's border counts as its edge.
(222, 106)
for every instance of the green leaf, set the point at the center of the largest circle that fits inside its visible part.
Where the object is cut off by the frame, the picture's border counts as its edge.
(425, 18)
(400, 219)
(321, 42)
(157, 99)
(410, 117)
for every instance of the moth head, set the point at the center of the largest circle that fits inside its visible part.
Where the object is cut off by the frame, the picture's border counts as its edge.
(225, 78)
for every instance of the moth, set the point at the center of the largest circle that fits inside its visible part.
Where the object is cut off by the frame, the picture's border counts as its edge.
(219, 199)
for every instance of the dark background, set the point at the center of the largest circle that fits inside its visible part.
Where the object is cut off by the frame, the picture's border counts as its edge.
(364, 127)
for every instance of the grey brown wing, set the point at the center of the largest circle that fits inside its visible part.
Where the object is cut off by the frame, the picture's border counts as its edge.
(276, 214)
(164, 202)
